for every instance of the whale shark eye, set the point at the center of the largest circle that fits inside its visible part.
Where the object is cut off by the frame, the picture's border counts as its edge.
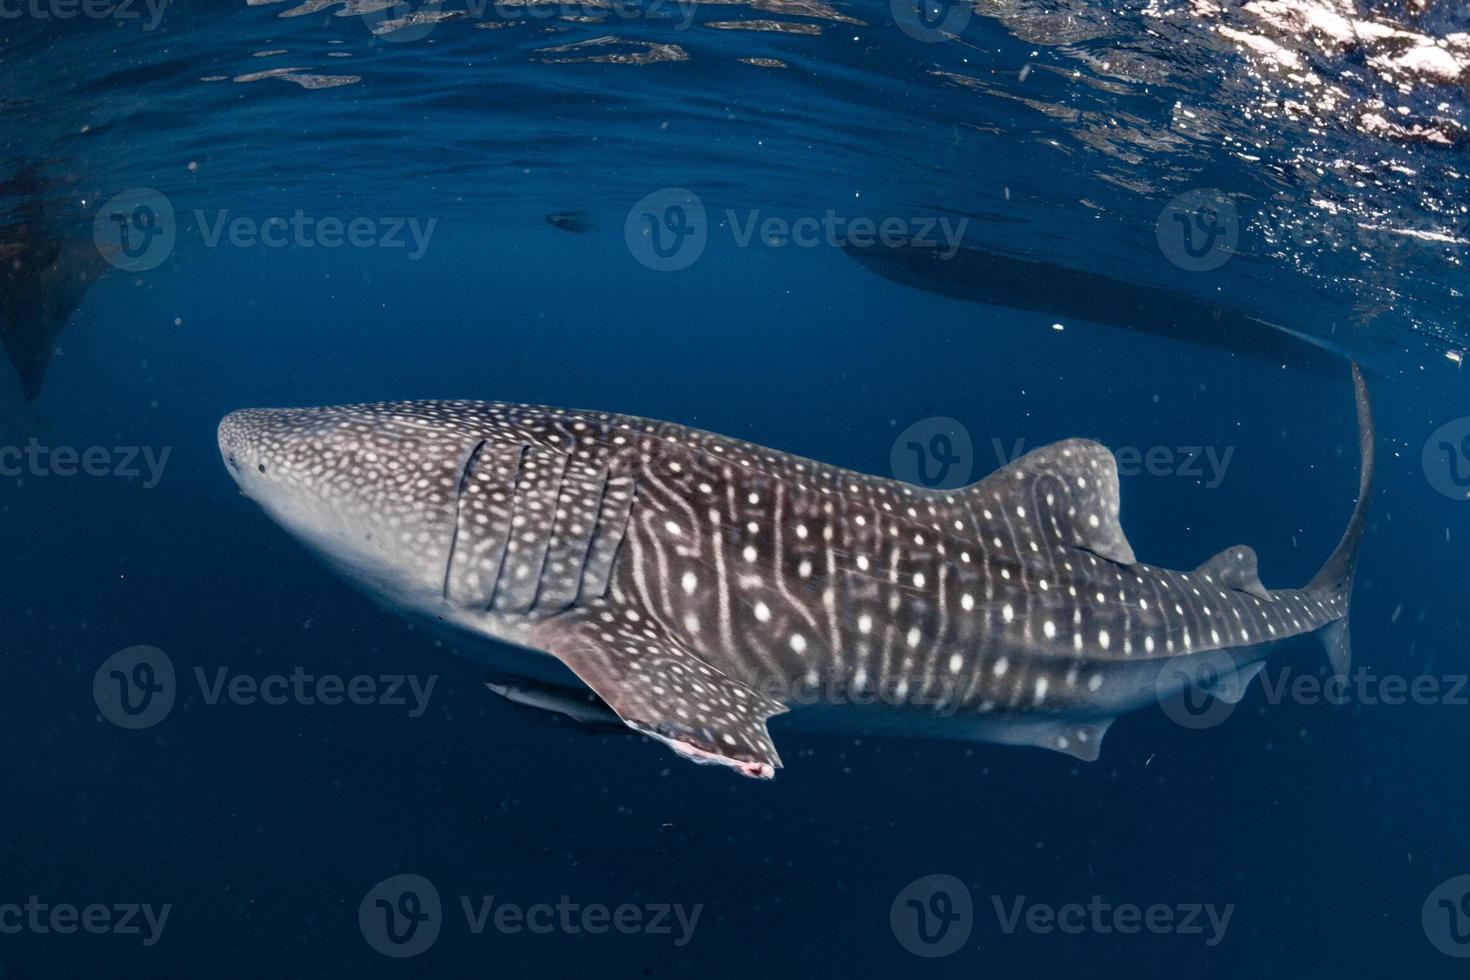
(261, 467)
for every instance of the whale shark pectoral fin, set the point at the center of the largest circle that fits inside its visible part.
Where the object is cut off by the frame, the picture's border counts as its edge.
(1068, 491)
(1235, 568)
(658, 687)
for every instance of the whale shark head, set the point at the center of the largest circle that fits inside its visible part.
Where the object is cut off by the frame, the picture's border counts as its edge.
(371, 489)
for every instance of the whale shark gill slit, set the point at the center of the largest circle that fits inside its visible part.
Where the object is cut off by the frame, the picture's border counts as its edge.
(464, 478)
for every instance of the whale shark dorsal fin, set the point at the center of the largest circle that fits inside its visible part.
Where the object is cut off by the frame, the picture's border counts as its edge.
(1235, 568)
(659, 687)
(1068, 490)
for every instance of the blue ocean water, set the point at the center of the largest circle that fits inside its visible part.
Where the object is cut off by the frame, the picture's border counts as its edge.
(1164, 226)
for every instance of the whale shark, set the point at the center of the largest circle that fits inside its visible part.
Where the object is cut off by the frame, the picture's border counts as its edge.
(45, 273)
(691, 587)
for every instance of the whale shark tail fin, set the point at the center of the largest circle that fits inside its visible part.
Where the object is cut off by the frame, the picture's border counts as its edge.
(1335, 579)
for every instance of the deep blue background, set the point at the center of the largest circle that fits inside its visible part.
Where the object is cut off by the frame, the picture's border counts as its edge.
(1062, 128)
(1326, 827)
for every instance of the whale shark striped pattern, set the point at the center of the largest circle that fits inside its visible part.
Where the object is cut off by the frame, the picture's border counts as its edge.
(700, 585)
